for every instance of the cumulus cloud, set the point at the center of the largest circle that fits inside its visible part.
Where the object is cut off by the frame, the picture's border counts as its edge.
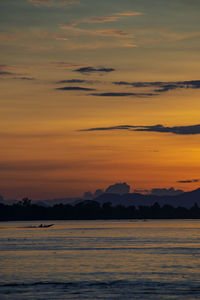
(118, 188)
(179, 130)
(88, 70)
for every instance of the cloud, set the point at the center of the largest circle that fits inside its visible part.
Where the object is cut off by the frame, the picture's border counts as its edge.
(179, 130)
(77, 81)
(87, 70)
(118, 188)
(72, 30)
(72, 81)
(130, 13)
(3, 73)
(6, 70)
(111, 32)
(119, 127)
(24, 78)
(111, 18)
(103, 19)
(113, 94)
(7, 73)
(61, 65)
(188, 181)
(102, 44)
(166, 192)
(124, 39)
(161, 87)
(50, 3)
(74, 88)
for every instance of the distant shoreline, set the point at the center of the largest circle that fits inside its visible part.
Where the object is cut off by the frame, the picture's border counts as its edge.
(92, 210)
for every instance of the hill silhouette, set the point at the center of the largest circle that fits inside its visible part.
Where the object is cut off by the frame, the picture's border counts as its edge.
(185, 199)
(109, 206)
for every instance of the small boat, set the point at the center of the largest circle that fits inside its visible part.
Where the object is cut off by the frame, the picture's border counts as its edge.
(45, 225)
(40, 226)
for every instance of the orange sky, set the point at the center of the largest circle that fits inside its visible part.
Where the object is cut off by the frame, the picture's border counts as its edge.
(73, 74)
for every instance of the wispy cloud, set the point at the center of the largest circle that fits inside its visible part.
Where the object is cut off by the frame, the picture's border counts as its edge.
(6, 72)
(130, 13)
(115, 94)
(162, 86)
(111, 43)
(188, 181)
(74, 88)
(29, 38)
(179, 130)
(101, 19)
(108, 32)
(110, 18)
(24, 78)
(111, 32)
(72, 81)
(53, 2)
(62, 65)
(77, 81)
(89, 69)
(3, 73)
(124, 39)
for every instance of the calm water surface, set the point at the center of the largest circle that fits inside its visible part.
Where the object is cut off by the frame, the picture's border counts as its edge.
(100, 260)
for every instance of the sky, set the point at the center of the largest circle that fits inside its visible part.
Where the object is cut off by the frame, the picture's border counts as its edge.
(98, 92)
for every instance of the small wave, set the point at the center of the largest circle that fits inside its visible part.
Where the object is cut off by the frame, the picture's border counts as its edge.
(140, 287)
(44, 283)
(108, 283)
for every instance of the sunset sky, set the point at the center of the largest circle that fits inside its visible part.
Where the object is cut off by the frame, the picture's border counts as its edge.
(98, 92)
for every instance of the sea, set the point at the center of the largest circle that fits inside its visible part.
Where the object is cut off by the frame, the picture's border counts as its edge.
(121, 259)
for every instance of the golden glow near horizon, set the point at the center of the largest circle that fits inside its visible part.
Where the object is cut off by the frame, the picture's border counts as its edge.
(69, 67)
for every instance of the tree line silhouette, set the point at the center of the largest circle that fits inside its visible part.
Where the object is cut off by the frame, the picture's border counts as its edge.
(92, 210)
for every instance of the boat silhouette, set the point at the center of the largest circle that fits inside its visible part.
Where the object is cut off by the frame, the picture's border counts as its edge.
(45, 225)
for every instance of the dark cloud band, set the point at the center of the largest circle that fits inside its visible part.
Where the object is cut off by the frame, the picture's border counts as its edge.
(180, 130)
(74, 88)
(87, 70)
(113, 94)
(160, 86)
(188, 181)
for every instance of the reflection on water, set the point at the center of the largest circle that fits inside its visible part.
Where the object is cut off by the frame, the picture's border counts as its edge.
(100, 260)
